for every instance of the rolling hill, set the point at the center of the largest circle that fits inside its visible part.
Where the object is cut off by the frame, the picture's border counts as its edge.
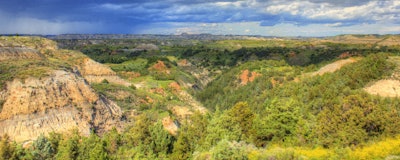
(247, 98)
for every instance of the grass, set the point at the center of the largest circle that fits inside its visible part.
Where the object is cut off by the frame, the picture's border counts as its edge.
(378, 150)
(23, 69)
(32, 42)
(385, 149)
(133, 65)
(112, 91)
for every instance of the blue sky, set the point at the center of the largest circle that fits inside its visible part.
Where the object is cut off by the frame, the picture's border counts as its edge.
(239, 17)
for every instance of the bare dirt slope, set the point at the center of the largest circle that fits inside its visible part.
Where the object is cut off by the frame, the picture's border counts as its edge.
(95, 72)
(385, 88)
(59, 100)
(334, 66)
(57, 103)
(389, 87)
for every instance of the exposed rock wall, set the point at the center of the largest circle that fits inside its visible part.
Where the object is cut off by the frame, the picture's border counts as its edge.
(56, 103)
(29, 126)
(95, 72)
(246, 76)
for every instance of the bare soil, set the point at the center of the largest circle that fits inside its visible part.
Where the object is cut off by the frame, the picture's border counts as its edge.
(389, 87)
(385, 88)
(334, 66)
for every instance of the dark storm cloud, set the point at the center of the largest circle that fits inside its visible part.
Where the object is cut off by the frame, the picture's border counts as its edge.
(123, 15)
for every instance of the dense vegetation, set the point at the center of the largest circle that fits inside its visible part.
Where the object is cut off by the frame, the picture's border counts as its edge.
(283, 113)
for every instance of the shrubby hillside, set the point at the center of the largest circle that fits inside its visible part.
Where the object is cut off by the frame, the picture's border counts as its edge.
(211, 99)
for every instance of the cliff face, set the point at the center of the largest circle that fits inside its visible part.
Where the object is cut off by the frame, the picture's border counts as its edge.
(56, 101)
(95, 72)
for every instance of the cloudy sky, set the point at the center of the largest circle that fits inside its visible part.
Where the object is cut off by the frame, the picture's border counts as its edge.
(239, 17)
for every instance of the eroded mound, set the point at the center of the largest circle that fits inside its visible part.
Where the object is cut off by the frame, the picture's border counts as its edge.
(389, 87)
(334, 66)
(56, 103)
(42, 91)
(385, 88)
(246, 76)
(95, 72)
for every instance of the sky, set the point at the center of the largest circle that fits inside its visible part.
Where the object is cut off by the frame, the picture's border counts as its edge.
(221, 17)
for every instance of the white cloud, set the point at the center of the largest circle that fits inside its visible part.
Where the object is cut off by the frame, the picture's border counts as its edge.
(338, 24)
(111, 6)
(283, 29)
(230, 4)
(373, 10)
(294, 8)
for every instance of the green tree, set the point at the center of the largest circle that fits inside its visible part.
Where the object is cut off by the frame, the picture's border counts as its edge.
(92, 148)
(42, 149)
(226, 150)
(54, 139)
(281, 117)
(113, 140)
(262, 134)
(222, 127)
(69, 146)
(139, 133)
(161, 140)
(191, 134)
(182, 147)
(242, 115)
(7, 150)
(358, 118)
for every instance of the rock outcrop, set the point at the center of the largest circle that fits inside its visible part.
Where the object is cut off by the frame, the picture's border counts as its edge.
(246, 76)
(95, 72)
(59, 100)
(170, 125)
(58, 103)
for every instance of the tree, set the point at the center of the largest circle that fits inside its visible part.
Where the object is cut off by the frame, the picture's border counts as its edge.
(191, 134)
(242, 115)
(54, 139)
(42, 149)
(182, 147)
(113, 140)
(139, 133)
(6, 148)
(281, 117)
(358, 118)
(69, 146)
(262, 134)
(161, 140)
(229, 150)
(222, 127)
(92, 148)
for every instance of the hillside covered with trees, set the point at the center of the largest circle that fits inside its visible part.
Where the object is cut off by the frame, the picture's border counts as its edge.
(234, 99)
